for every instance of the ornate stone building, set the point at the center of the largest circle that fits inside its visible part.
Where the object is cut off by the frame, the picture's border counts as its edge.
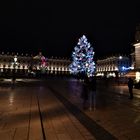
(24, 64)
(58, 65)
(137, 53)
(14, 62)
(112, 66)
(137, 48)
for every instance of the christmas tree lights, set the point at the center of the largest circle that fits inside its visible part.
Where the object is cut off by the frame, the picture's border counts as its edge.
(82, 57)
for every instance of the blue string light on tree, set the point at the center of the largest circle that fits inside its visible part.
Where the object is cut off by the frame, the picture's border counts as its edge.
(82, 58)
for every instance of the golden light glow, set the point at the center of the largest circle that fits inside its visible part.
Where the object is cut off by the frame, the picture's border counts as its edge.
(137, 76)
(137, 45)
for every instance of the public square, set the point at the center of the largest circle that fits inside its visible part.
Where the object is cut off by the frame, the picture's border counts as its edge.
(70, 70)
(52, 109)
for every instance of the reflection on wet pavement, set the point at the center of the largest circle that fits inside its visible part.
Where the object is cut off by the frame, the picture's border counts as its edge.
(113, 115)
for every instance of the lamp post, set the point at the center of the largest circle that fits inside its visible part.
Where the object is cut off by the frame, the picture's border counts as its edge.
(15, 59)
(14, 65)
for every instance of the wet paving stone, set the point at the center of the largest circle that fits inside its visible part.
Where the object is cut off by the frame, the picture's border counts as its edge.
(55, 107)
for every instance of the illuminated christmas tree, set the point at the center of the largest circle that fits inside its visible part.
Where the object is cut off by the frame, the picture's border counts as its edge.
(82, 57)
(42, 62)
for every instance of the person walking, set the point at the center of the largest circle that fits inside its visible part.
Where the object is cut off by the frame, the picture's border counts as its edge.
(92, 92)
(84, 93)
(130, 87)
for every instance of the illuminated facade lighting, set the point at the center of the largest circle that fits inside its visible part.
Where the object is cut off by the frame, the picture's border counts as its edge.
(22, 63)
(113, 65)
(137, 45)
(137, 76)
(137, 55)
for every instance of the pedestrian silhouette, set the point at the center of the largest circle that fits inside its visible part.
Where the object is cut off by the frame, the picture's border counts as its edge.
(130, 87)
(92, 92)
(84, 93)
(13, 80)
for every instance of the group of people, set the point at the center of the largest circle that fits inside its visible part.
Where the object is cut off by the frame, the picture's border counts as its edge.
(89, 91)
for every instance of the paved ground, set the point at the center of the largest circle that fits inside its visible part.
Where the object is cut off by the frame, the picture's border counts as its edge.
(53, 110)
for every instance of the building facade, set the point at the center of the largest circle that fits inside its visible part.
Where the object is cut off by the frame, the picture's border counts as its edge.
(137, 48)
(58, 65)
(14, 62)
(24, 64)
(113, 66)
(137, 53)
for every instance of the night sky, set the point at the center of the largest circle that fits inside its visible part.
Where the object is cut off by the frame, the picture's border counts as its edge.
(54, 27)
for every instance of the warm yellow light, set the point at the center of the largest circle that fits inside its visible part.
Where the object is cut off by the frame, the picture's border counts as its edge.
(137, 76)
(137, 45)
(116, 68)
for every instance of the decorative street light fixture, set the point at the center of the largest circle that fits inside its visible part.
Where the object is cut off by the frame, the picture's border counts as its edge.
(15, 63)
(14, 66)
(15, 59)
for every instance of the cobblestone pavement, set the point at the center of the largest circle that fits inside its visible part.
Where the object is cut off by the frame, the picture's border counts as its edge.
(53, 110)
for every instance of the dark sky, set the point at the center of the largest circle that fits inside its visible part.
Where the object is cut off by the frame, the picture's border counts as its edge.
(54, 27)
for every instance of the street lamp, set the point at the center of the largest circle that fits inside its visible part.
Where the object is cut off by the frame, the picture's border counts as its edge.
(15, 59)
(15, 62)
(120, 57)
(14, 65)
